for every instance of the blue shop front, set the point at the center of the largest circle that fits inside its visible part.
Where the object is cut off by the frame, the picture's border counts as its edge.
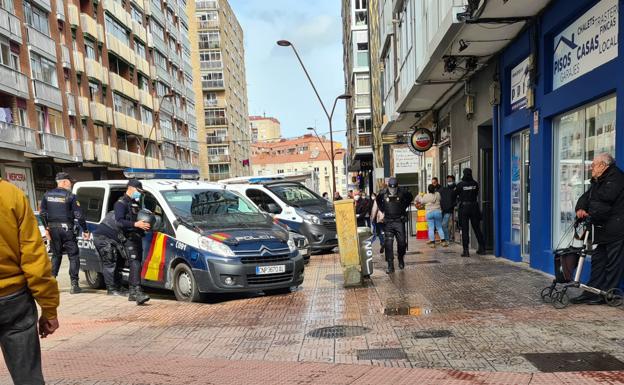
(562, 85)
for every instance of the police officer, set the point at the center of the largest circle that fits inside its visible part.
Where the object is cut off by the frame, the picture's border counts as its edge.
(59, 209)
(467, 194)
(393, 203)
(121, 227)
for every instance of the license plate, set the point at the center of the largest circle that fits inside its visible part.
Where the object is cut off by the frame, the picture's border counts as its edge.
(276, 269)
(304, 251)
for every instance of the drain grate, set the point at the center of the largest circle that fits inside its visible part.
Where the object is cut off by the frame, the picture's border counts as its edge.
(381, 354)
(574, 362)
(338, 331)
(432, 333)
(429, 262)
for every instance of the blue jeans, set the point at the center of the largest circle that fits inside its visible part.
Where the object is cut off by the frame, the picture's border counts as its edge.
(434, 221)
(446, 217)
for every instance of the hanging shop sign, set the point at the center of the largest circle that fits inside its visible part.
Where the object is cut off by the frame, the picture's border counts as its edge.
(421, 140)
(589, 42)
(520, 85)
(406, 161)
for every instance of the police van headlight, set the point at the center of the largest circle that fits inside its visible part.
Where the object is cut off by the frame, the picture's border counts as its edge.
(291, 245)
(215, 247)
(312, 219)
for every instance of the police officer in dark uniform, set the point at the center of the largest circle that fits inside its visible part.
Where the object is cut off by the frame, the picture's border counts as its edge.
(467, 194)
(59, 209)
(122, 227)
(393, 203)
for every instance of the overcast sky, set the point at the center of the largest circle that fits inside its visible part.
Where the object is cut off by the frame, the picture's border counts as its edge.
(276, 83)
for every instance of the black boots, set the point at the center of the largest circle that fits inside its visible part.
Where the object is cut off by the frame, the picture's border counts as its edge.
(481, 251)
(465, 253)
(112, 290)
(390, 268)
(136, 294)
(75, 288)
(401, 263)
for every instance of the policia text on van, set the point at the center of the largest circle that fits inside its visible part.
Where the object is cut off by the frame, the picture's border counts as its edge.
(205, 239)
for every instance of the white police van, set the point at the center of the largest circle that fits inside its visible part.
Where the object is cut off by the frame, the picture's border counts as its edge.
(206, 239)
(292, 204)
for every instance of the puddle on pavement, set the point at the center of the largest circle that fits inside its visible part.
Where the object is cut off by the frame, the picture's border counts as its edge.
(574, 362)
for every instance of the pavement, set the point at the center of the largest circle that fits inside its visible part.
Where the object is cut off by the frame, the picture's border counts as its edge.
(442, 320)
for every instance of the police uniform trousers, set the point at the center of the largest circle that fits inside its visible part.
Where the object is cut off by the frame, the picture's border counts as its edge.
(112, 259)
(394, 228)
(134, 251)
(470, 214)
(607, 265)
(64, 241)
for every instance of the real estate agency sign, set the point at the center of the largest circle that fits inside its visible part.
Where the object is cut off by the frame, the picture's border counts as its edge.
(589, 42)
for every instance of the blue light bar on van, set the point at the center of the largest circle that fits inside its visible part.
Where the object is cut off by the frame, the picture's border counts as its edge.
(146, 173)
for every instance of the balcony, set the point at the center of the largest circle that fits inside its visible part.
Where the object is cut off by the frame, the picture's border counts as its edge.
(161, 74)
(73, 15)
(166, 106)
(170, 162)
(155, 9)
(211, 65)
(47, 95)
(152, 163)
(83, 106)
(146, 99)
(128, 124)
(159, 43)
(364, 143)
(95, 70)
(173, 31)
(13, 82)
(139, 31)
(194, 145)
(78, 62)
(18, 138)
(114, 156)
(124, 86)
(130, 159)
(71, 104)
(362, 101)
(139, 4)
(213, 84)
(88, 152)
(55, 145)
(60, 10)
(120, 49)
(211, 44)
(10, 26)
(76, 150)
(143, 66)
(218, 158)
(65, 58)
(215, 121)
(44, 4)
(103, 153)
(208, 24)
(41, 43)
(109, 116)
(216, 139)
(98, 112)
(182, 14)
(207, 5)
(89, 26)
(168, 134)
(118, 12)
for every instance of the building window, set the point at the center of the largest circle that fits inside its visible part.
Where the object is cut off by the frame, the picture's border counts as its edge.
(7, 5)
(210, 99)
(146, 116)
(90, 49)
(161, 89)
(361, 12)
(43, 69)
(93, 91)
(364, 124)
(139, 49)
(215, 117)
(160, 59)
(362, 91)
(116, 29)
(157, 29)
(213, 79)
(210, 59)
(136, 14)
(124, 106)
(360, 43)
(8, 58)
(220, 150)
(143, 83)
(579, 135)
(209, 40)
(36, 18)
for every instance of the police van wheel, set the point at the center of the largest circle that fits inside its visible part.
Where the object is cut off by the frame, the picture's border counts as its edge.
(94, 279)
(184, 285)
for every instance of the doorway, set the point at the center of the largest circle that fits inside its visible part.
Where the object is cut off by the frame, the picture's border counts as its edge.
(486, 180)
(521, 193)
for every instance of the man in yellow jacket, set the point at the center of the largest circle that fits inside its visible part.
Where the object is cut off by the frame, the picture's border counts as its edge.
(25, 276)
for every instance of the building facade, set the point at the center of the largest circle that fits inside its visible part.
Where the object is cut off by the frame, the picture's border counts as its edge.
(219, 73)
(92, 88)
(265, 129)
(303, 154)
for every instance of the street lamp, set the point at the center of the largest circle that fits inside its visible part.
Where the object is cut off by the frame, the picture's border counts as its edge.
(155, 119)
(329, 115)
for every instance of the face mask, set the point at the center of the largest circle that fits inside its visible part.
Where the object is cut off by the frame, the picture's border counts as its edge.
(450, 183)
(357, 197)
(136, 195)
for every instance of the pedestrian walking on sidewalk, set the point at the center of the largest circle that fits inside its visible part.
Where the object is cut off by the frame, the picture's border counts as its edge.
(432, 201)
(467, 194)
(377, 217)
(447, 204)
(393, 203)
(25, 277)
(604, 204)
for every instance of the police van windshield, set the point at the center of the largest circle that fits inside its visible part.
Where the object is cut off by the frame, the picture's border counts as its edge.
(209, 209)
(295, 194)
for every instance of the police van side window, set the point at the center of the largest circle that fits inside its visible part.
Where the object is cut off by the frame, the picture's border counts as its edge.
(163, 224)
(263, 201)
(91, 199)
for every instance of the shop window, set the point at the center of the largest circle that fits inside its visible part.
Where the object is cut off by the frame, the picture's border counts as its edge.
(579, 135)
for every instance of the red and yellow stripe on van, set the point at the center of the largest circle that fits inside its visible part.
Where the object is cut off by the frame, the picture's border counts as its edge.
(219, 236)
(154, 267)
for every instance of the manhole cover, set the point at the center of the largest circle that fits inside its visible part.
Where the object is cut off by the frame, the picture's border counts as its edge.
(381, 354)
(423, 262)
(422, 334)
(574, 362)
(338, 331)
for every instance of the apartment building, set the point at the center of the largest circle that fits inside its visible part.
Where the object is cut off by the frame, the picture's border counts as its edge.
(303, 154)
(265, 128)
(219, 73)
(92, 87)
(355, 17)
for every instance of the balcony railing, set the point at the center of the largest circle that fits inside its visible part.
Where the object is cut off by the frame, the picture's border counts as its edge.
(18, 137)
(218, 158)
(162, 74)
(206, 24)
(211, 65)
(215, 177)
(65, 56)
(124, 86)
(13, 82)
(76, 150)
(159, 43)
(206, 4)
(47, 95)
(60, 10)
(94, 69)
(120, 49)
(73, 14)
(42, 43)
(152, 163)
(44, 4)
(11, 25)
(213, 84)
(194, 145)
(362, 101)
(71, 104)
(146, 99)
(89, 25)
(215, 121)
(55, 144)
(168, 134)
(216, 139)
(88, 152)
(98, 112)
(139, 31)
(83, 106)
(211, 44)
(103, 153)
(78, 61)
(170, 162)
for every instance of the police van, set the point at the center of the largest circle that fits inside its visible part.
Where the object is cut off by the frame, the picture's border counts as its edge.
(292, 204)
(206, 239)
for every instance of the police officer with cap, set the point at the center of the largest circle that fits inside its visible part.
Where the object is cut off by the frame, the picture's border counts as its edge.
(467, 194)
(393, 203)
(59, 209)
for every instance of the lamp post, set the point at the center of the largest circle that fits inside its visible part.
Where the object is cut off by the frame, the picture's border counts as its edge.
(155, 118)
(329, 115)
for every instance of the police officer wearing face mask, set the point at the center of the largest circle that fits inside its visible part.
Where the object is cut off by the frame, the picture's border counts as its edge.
(393, 203)
(122, 232)
(59, 209)
(467, 193)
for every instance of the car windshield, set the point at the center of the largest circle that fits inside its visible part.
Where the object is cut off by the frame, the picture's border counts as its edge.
(295, 194)
(210, 209)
